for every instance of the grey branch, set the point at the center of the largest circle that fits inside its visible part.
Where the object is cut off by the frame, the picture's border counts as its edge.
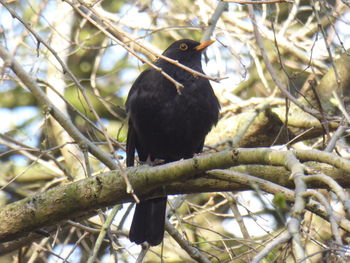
(50, 108)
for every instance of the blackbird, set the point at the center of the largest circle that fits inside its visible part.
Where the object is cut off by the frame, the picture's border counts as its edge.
(167, 125)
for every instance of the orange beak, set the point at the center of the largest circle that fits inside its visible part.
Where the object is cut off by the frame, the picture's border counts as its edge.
(204, 44)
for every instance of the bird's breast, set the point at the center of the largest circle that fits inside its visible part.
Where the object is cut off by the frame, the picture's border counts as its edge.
(173, 125)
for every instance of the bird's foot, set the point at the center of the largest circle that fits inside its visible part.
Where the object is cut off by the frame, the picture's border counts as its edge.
(155, 162)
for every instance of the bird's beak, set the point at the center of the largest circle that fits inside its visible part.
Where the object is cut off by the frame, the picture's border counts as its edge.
(204, 44)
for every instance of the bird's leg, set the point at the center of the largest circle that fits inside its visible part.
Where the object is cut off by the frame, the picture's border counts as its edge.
(157, 162)
(154, 162)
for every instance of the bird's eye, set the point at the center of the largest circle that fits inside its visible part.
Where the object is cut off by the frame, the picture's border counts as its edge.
(183, 46)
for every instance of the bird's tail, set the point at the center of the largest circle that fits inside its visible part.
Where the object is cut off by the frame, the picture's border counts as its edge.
(148, 222)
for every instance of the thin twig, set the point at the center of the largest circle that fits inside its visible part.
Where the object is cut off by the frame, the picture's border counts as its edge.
(272, 72)
(338, 133)
(332, 220)
(76, 244)
(192, 251)
(334, 187)
(66, 123)
(283, 238)
(109, 30)
(95, 67)
(95, 230)
(248, 123)
(25, 149)
(297, 211)
(234, 208)
(77, 112)
(105, 227)
(291, 17)
(220, 8)
(29, 82)
(62, 118)
(144, 250)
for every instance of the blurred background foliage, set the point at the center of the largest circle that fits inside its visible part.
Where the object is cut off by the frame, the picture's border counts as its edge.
(294, 45)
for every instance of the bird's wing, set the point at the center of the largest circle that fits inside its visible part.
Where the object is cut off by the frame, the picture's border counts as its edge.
(139, 82)
(132, 143)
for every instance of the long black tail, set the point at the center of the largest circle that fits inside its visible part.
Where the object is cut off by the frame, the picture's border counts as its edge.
(148, 222)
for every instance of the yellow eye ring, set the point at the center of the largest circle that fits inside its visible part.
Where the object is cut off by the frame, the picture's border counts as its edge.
(183, 46)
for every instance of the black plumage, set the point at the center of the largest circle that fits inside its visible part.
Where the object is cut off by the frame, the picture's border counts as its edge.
(167, 125)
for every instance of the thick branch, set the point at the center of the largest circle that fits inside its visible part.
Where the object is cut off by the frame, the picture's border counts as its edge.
(81, 197)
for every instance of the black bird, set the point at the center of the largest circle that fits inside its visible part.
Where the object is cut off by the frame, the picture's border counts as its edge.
(167, 125)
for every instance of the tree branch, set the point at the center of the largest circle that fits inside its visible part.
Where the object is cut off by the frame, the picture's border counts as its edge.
(84, 196)
(48, 107)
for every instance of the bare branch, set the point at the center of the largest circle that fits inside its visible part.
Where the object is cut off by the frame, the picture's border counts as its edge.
(49, 107)
(191, 250)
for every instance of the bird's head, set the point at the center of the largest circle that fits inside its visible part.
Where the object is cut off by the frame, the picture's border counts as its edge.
(186, 50)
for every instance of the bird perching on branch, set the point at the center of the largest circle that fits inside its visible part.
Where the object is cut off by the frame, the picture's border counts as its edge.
(168, 125)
